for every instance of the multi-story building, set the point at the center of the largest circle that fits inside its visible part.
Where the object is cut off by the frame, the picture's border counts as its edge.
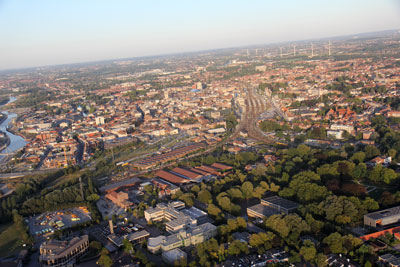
(184, 238)
(163, 211)
(176, 218)
(57, 253)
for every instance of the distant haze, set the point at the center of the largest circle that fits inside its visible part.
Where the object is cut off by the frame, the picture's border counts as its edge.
(48, 32)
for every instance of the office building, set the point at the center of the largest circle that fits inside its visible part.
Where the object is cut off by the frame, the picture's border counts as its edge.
(63, 253)
(184, 238)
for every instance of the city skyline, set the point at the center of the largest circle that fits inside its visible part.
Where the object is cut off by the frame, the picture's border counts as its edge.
(85, 32)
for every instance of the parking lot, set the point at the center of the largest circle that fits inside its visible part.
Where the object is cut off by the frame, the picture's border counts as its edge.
(46, 223)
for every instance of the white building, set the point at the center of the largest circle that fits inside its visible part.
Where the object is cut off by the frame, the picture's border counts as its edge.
(99, 120)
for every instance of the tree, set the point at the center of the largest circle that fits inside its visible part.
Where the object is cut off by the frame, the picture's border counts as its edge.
(232, 225)
(241, 222)
(260, 169)
(338, 209)
(358, 157)
(225, 204)
(93, 198)
(308, 252)
(321, 260)
(105, 259)
(371, 151)
(236, 247)
(334, 241)
(278, 224)
(195, 189)
(213, 210)
(235, 193)
(247, 189)
(187, 198)
(204, 196)
(360, 171)
(128, 247)
(209, 160)
(259, 192)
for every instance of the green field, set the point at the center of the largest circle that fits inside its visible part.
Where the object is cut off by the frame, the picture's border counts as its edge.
(10, 241)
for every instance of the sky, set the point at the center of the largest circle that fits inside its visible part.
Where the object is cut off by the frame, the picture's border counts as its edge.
(51, 32)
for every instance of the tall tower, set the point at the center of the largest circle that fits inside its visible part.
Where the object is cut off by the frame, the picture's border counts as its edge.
(110, 223)
(312, 50)
(294, 50)
(329, 48)
(281, 51)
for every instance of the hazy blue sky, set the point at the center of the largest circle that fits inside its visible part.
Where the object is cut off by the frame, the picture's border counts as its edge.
(46, 32)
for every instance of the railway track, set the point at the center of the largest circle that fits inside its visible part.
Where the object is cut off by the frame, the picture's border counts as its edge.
(255, 105)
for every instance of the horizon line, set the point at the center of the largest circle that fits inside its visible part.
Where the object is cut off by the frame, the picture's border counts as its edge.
(4, 71)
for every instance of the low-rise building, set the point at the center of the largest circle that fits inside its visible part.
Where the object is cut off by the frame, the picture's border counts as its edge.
(120, 199)
(270, 206)
(63, 253)
(382, 217)
(174, 255)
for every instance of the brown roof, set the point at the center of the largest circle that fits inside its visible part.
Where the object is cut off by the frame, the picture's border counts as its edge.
(221, 166)
(199, 171)
(171, 177)
(187, 173)
(208, 169)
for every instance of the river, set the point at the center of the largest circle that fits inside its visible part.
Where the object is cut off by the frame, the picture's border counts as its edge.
(16, 142)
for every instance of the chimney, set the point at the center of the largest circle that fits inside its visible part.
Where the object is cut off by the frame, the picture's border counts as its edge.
(111, 226)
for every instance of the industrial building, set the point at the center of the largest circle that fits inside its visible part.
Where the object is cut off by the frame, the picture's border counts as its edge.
(270, 206)
(57, 253)
(382, 217)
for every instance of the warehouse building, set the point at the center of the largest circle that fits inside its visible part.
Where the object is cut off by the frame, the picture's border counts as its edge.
(382, 217)
(270, 206)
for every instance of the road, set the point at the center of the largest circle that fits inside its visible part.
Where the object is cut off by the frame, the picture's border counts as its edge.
(13, 175)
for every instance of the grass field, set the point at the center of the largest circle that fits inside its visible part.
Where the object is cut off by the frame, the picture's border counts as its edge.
(10, 241)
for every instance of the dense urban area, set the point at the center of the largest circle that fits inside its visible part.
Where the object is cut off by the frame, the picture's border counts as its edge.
(284, 155)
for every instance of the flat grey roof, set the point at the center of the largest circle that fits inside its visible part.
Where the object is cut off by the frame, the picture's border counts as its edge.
(264, 210)
(382, 214)
(194, 212)
(120, 184)
(281, 202)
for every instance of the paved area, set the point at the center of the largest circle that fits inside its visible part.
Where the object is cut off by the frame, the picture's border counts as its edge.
(48, 222)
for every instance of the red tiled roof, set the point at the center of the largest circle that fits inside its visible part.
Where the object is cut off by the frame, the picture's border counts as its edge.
(187, 173)
(221, 166)
(171, 177)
